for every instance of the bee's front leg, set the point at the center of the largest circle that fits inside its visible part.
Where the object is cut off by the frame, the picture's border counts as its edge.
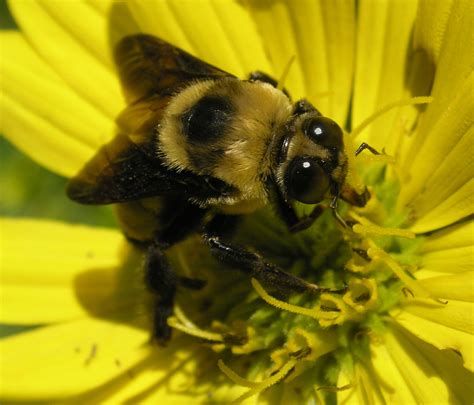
(252, 263)
(363, 146)
(289, 216)
(308, 220)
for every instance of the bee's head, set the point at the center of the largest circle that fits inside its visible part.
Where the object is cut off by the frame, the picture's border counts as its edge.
(311, 163)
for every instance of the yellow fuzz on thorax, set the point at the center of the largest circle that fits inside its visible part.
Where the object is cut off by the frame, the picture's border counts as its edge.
(242, 154)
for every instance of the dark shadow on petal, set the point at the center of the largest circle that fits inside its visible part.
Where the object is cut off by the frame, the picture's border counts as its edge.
(120, 23)
(435, 363)
(420, 71)
(7, 21)
(117, 295)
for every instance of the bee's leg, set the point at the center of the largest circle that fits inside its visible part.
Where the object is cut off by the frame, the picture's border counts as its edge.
(186, 219)
(335, 212)
(363, 146)
(288, 214)
(162, 282)
(354, 198)
(160, 277)
(252, 263)
(258, 76)
(305, 222)
(304, 106)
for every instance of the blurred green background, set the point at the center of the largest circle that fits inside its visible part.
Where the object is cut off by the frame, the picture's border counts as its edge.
(29, 190)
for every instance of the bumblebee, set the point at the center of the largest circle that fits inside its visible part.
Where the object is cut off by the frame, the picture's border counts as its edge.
(196, 148)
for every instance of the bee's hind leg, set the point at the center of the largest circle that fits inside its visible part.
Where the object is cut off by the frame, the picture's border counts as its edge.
(252, 263)
(160, 277)
(162, 282)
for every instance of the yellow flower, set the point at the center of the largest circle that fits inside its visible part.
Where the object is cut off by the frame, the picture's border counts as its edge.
(401, 333)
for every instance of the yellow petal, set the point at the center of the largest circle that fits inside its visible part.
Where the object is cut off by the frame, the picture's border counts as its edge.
(459, 286)
(430, 376)
(457, 206)
(453, 172)
(165, 376)
(440, 337)
(391, 378)
(452, 105)
(53, 271)
(59, 361)
(157, 18)
(243, 37)
(361, 388)
(455, 260)
(439, 191)
(326, 53)
(459, 235)
(447, 326)
(277, 31)
(455, 314)
(49, 121)
(383, 42)
(430, 27)
(236, 46)
(72, 37)
(118, 19)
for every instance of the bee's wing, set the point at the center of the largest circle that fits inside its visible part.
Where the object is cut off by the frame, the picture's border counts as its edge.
(123, 171)
(128, 168)
(149, 66)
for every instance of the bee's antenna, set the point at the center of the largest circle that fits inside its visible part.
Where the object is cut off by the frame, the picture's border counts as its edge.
(284, 75)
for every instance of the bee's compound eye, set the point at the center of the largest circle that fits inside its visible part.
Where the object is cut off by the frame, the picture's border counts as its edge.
(207, 119)
(306, 181)
(323, 131)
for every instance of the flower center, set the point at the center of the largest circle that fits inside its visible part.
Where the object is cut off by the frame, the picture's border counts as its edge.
(261, 336)
(269, 335)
